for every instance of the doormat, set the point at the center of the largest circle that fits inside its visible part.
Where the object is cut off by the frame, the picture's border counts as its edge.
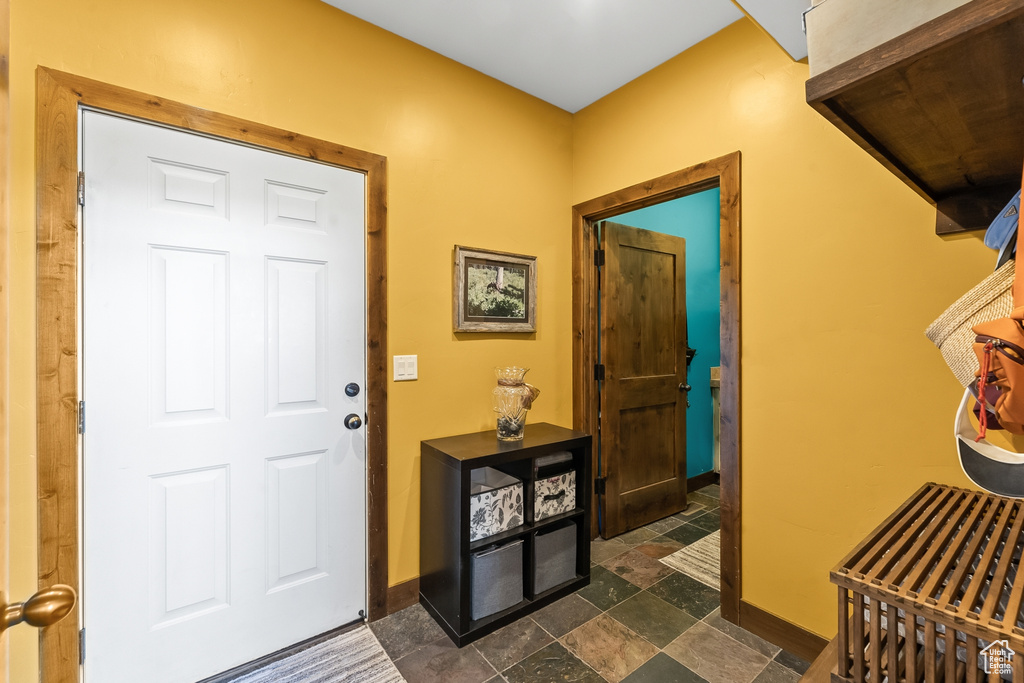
(701, 560)
(354, 657)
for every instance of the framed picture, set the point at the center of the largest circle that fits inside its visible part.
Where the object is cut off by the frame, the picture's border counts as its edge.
(494, 291)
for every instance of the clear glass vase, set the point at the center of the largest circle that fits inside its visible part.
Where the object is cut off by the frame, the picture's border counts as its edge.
(512, 398)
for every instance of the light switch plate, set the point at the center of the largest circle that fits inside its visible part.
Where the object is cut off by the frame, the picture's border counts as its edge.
(406, 368)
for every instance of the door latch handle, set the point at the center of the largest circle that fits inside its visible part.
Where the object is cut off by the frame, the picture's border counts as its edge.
(685, 387)
(45, 608)
(352, 421)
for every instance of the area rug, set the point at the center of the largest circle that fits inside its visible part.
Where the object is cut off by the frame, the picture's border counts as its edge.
(701, 560)
(354, 657)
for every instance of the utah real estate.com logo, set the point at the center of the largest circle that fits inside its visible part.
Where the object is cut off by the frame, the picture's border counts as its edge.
(998, 658)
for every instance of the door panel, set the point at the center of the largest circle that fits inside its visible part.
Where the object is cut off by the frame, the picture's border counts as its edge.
(645, 286)
(643, 349)
(223, 314)
(646, 436)
(188, 335)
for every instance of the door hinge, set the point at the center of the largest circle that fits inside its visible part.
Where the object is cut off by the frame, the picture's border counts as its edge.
(81, 417)
(81, 188)
(599, 485)
(599, 372)
(599, 257)
(81, 647)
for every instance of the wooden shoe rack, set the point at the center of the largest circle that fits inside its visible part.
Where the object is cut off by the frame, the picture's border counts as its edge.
(938, 577)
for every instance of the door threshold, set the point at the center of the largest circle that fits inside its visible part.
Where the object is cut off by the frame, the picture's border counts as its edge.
(254, 665)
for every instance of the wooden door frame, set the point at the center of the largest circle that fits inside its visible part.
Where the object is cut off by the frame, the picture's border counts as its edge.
(724, 173)
(59, 96)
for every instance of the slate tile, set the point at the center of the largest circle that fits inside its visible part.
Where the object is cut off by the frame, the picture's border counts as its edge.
(514, 642)
(776, 673)
(712, 491)
(687, 533)
(636, 536)
(752, 641)
(688, 594)
(715, 656)
(601, 550)
(638, 568)
(441, 661)
(712, 521)
(562, 616)
(791, 661)
(708, 502)
(652, 618)
(551, 664)
(606, 589)
(693, 509)
(663, 669)
(663, 525)
(609, 648)
(404, 631)
(659, 547)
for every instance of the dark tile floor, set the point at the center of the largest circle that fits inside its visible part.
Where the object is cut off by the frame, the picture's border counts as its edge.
(639, 621)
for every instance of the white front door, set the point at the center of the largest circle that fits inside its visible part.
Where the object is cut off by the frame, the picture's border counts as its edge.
(223, 318)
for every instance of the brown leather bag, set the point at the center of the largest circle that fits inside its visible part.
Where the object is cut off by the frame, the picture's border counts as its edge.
(999, 346)
(999, 387)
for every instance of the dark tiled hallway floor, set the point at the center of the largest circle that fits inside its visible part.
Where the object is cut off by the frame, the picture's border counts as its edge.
(639, 621)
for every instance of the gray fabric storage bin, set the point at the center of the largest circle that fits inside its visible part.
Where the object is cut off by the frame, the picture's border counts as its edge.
(496, 579)
(554, 556)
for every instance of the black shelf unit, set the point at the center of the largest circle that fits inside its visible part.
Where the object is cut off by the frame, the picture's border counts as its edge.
(445, 547)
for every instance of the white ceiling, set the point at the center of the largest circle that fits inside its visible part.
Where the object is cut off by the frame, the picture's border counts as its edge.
(571, 52)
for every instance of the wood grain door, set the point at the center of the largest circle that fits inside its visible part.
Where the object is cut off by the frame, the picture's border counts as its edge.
(643, 402)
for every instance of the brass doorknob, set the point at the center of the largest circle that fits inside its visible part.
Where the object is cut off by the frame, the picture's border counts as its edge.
(46, 607)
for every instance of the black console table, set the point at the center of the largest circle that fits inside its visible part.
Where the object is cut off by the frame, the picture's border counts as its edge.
(445, 546)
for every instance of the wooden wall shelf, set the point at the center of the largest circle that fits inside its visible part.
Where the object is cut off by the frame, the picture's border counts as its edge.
(942, 107)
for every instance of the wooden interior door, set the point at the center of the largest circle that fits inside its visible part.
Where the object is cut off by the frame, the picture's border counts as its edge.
(643, 395)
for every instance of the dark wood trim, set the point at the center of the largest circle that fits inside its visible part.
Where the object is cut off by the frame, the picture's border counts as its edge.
(377, 387)
(724, 173)
(57, 364)
(914, 71)
(821, 667)
(58, 99)
(405, 594)
(785, 634)
(938, 34)
(585, 333)
(730, 463)
(701, 480)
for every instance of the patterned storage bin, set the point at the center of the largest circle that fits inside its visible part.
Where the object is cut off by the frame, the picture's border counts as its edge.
(554, 495)
(495, 503)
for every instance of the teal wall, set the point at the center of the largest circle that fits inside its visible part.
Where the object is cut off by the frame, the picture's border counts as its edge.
(696, 219)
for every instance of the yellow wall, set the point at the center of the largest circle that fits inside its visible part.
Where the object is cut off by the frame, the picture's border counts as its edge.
(846, 407)
(841, 269)
(471, 161)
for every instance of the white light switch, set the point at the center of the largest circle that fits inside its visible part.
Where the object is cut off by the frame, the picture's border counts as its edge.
(405, 368)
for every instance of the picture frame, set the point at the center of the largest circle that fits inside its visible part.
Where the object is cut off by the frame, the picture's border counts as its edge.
(495, 291)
